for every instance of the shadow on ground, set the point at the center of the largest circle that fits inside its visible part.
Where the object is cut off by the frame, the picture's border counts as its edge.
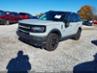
(87, 67)
(20, 64)
(94, 42)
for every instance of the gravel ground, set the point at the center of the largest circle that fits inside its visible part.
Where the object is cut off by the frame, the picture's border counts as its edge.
(68, 54)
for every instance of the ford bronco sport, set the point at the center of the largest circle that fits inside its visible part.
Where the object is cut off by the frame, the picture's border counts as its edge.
(50, 28)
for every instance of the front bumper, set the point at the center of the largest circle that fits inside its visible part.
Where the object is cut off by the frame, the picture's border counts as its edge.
(35, 40)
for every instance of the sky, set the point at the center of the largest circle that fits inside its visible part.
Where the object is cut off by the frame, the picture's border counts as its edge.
(41, 6)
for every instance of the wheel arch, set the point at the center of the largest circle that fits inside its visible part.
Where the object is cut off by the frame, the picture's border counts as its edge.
(57, 32)
(79, 28)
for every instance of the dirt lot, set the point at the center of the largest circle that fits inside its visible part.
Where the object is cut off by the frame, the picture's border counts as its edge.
(68, 54)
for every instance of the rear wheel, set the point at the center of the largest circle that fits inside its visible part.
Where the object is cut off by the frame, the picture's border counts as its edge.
(52, 42)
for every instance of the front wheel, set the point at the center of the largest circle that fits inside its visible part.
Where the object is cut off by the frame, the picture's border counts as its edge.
(52, 42)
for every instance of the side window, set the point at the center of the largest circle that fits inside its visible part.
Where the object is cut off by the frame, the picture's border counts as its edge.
(67, 20)
(76, 18)
(70, 17)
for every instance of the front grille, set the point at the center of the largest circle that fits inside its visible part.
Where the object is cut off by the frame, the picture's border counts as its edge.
(25, 27)
(28, 28)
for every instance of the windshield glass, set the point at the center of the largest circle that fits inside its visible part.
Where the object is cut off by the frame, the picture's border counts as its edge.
(52, 16)
(43, 17)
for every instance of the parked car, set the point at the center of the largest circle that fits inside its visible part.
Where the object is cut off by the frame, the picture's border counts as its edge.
(2, 13)
(10, 17)
(50, 28)
(13, 17)
(95, 22)
(87, 23)
(2, 16)
(26, 16)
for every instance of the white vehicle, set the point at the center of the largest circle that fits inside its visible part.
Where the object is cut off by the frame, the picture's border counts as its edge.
(50, 28)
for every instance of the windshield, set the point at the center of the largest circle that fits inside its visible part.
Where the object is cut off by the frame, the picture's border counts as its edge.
(52, 16)
(43, 17)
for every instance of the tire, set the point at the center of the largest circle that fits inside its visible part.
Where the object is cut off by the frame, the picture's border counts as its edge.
(78, 34)
(52, 42)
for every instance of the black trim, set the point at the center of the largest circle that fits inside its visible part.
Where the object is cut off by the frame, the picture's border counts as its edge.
(28, 27)
(38, 41)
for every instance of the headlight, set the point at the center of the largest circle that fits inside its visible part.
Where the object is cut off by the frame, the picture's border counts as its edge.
(38, 29)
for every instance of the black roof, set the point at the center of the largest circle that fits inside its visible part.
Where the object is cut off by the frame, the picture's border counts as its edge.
(61, 12)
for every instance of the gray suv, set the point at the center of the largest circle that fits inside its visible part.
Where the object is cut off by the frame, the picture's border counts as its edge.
(50, 28)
